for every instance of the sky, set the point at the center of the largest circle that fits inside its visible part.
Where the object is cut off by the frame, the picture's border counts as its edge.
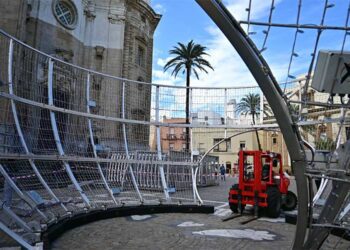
(184, 20)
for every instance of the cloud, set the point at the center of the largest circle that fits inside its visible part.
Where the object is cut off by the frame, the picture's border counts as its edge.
(165, 78)
(159, 8)
(161, 62)
(230, 70)
(259, 8)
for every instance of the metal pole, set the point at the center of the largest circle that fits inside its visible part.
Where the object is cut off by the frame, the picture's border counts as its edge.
(194, 182)
(15, 236)
(57, 136)
(225, 112)
(159, 148)
(13, 185)
(18, 220)
(126, 147)
(190, 121)
(19, 129)
(127, 121)
(274, 95)
(196, 189)
(261, 107)
(93, 142)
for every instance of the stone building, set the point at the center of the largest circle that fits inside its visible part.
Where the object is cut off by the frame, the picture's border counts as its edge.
(322, 136)
(227, 151)
(110, 36)
(173, 138)
(113, 37)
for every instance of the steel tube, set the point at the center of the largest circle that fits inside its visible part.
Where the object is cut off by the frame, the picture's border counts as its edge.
(20, 133)
(274, 95)
(57, 136)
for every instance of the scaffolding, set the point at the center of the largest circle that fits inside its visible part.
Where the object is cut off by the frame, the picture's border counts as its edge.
(73, 140)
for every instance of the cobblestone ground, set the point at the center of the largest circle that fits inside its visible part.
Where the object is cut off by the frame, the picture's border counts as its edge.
(187, 231)
(161, 231)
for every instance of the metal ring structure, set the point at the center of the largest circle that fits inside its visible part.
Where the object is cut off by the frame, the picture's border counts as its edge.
(131, 174)
(274, 95)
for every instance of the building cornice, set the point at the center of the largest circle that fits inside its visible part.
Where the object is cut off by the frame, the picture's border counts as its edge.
(145, 7)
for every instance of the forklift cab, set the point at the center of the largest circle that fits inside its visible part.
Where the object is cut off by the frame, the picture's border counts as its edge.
(259, 166)
(261, 183)
(270, 167)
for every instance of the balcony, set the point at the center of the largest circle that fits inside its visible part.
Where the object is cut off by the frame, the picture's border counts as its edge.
(171, 137)
(183, 136)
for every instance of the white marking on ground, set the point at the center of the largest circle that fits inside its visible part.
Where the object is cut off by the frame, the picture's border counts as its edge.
(218, 202)
(277, 220)
(218, 207)
(238, 234)
(140, 217)
(190, 224)
(222, 212)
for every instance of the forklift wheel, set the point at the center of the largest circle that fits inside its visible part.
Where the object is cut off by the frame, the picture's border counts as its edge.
(291, 202)
(273, 209)
(234, 206)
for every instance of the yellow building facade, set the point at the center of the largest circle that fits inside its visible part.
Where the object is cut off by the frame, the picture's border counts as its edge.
(204, 139)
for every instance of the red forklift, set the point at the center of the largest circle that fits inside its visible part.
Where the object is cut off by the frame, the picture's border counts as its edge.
(262, 184)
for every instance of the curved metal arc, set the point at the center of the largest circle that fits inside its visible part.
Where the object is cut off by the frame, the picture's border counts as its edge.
(20, 132)
(241, 133)
(320, 190)
(159, 149)
(57, 136)
(274, 95)
(2, 32)
(93, 142)
(29, 201)
(178, 125)
(121, 120)
(195, 186)
(127, 149)
(209, 150)
(16, 237)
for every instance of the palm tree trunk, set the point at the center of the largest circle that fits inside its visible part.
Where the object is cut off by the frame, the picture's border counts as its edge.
(188, 73)
(256, 133)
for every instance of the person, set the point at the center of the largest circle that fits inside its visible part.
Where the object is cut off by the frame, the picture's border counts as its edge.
(222, 171)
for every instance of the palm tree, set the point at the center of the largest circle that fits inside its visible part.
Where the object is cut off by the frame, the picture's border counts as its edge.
(188, 58)
(250, 104)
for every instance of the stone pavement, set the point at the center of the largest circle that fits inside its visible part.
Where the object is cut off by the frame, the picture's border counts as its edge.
(187, 231)
(162, 231)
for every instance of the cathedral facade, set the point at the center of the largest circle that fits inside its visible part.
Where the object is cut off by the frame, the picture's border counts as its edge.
(114, 37)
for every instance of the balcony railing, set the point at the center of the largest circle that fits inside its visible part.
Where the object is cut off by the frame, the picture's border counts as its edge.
(183, 136)
(171, 137)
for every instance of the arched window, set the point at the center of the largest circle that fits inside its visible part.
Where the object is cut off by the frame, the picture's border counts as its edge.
(140, 56)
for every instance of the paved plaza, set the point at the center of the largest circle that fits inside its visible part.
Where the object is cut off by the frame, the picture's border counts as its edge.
(185, 231)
